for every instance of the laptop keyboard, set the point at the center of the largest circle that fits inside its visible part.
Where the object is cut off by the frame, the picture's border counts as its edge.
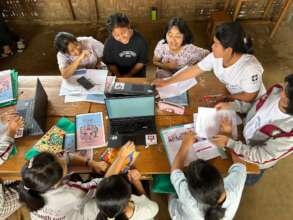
(132, 126)
(139, 88)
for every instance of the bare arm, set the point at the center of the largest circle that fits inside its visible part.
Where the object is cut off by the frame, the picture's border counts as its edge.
(157, 62)
(134, 177)
(119, 162)
(138, 67)
(181, 155)
(190, 72)
(71, 68)
(244, 96)
(114, 70)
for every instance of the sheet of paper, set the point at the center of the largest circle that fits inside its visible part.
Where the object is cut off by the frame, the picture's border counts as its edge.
(176, 89)
(207, 121)
(72, 87)
(100, 99)
(206, 150)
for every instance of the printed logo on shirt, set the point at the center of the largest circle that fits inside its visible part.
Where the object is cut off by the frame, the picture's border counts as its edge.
(127, 54)
(254, 78)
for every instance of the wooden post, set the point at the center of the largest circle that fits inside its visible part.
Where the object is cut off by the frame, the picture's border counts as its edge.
(268, 8)
(71, 10)
(93, 10)
(226, 5)
(281, 17)
(237, 9)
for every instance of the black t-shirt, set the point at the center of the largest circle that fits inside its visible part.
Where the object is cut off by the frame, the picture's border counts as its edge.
(125, 56)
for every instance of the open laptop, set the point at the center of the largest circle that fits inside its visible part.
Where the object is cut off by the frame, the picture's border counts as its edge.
(131, 118)
(34, 112)
(129, 89)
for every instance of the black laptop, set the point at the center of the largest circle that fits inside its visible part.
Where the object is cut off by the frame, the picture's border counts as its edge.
(131, 118)
(129, 89)
(34, 112)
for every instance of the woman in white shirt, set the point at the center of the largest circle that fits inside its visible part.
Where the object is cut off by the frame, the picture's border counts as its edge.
(232, 62)
(77, 52)
(48, 196)
(202, 193)
(115, 201)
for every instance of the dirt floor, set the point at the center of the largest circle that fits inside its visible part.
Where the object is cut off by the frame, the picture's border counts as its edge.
(272, 197)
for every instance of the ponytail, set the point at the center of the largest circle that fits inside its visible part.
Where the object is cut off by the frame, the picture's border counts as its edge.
(232, 35)
(112, 197)
(33, 200)
(39, 176)
(215, 212)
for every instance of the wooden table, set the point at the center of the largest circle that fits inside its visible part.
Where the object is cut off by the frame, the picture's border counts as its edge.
(152, 160)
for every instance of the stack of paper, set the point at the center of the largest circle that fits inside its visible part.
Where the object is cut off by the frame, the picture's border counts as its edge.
(74, 92)
(176, 89)
(202, 149)
(207, 121)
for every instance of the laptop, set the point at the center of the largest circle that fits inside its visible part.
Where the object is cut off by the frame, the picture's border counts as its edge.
(129, 89)
(131, 118)
(34, 112)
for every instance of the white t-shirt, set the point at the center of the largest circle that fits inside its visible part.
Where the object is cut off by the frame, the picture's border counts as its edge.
(263, 116)
(95, 48)
(187, 207)
(145, 209)
(243, 76)
(72, 201)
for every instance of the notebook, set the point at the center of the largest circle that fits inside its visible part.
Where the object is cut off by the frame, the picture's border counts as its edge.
(90, 131)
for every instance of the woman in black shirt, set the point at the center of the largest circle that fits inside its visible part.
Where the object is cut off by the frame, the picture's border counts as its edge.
(125, 51)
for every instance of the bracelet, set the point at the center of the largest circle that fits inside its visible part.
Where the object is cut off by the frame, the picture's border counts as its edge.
(87, 162)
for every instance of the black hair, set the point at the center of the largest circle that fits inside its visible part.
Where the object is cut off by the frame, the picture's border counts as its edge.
(289, 93)
(38, 176)
(117, 20)
(206, 185)
(61, 41)
(183, 28)
(232, 35)
(112, 197)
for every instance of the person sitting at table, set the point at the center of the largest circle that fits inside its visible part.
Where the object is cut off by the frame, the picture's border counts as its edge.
(126, 51)
(9, 198)
(176, 50)
(115, 200)
(77, 53)
(268, 129)
(10, 122)
(48, 195)
(232, 62)
(201, 190)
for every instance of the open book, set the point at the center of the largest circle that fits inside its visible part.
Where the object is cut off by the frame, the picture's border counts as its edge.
(202, 149)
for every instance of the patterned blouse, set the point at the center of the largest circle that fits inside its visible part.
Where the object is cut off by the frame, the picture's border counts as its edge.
(188, 55)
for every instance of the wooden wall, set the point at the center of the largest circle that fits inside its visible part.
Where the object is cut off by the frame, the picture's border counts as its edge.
(63, 11)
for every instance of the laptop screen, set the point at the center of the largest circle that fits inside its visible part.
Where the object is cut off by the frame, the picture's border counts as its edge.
(131, 107)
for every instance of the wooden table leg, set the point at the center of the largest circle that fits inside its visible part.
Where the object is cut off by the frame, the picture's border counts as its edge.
(281, 17)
